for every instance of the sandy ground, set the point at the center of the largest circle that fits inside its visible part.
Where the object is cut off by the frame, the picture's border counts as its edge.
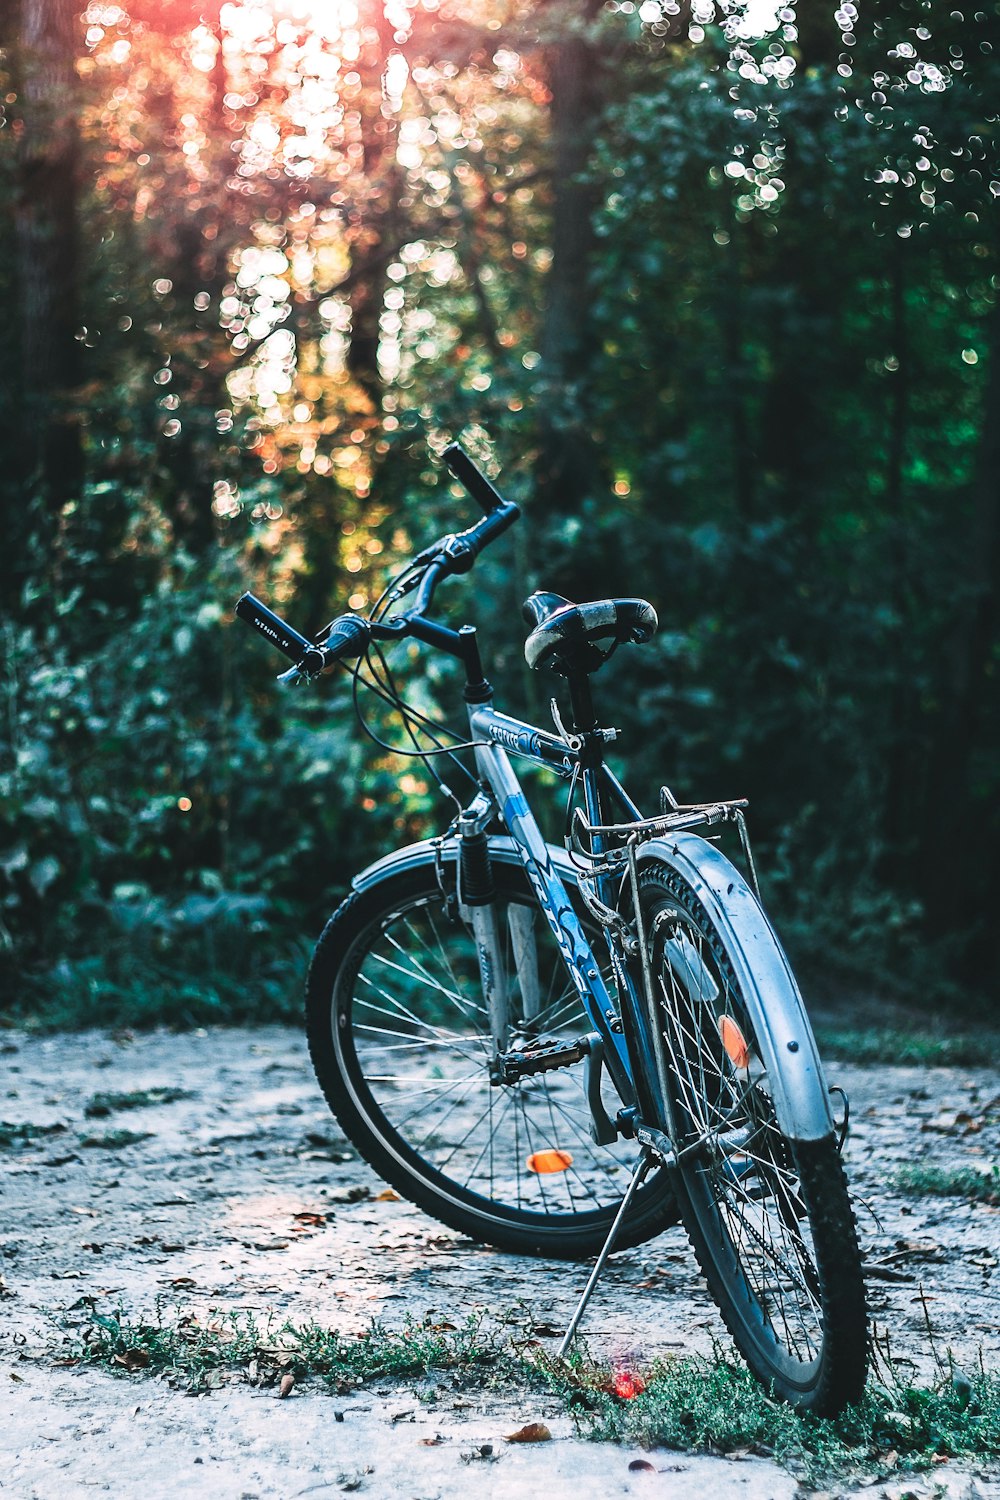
(202, 1213)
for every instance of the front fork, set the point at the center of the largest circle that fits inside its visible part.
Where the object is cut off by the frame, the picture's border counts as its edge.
(477, 899)
(488, 919)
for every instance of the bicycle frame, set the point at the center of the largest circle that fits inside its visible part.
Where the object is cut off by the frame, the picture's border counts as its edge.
(500, 732)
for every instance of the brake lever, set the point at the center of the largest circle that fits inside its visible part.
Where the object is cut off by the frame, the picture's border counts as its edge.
(294, 676)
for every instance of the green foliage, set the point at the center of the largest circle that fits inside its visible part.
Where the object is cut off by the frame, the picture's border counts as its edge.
(168, 839)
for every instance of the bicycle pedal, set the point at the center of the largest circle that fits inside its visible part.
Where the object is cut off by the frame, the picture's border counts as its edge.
(537, 1056)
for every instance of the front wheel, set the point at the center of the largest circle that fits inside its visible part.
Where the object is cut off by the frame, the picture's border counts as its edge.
(401, 1043)
(766, 1209)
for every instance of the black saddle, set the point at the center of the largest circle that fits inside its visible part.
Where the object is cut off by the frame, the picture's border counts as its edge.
(573, 638)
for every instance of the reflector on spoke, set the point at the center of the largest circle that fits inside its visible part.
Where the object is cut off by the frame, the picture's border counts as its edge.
(544, 1162)
(733, 1040)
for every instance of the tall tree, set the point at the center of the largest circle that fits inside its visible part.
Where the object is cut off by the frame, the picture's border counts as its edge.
(48, 244)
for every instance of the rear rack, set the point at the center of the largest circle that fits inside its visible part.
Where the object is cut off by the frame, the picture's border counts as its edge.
(605, 847)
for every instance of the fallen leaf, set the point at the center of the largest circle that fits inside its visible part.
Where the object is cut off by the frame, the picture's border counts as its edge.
(286, 1387)
(132, 1359)
(309, 1220)
(17, 1379)
(531, 1432)
(431, 1442)
(388, 1196)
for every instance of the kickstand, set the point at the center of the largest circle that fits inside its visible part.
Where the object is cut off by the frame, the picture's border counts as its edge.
(638, 1175)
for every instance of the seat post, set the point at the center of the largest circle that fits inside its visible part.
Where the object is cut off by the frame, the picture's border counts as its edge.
(581, 702)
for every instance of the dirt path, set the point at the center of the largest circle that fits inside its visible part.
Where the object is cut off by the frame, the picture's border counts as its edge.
(206, 1209)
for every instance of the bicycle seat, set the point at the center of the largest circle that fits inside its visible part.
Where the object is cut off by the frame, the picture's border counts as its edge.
(568, 637)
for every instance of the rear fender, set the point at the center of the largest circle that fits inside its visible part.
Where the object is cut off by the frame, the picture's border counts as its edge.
(795, 1073)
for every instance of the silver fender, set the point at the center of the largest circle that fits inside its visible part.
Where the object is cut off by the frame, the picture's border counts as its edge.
(412, 856)
(795, 1073)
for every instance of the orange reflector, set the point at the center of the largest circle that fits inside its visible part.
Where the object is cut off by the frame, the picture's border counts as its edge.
(549, 1161)
(628, 1384)
(734, 1042)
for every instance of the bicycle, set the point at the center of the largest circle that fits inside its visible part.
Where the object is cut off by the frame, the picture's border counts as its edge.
(560, 1051)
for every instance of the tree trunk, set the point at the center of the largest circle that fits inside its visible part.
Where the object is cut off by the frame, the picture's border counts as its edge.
(958, 865)
(569, 466)
(375, 224)
(48, 249)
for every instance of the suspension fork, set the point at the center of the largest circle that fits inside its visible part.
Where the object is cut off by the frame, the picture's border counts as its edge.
(477, 893)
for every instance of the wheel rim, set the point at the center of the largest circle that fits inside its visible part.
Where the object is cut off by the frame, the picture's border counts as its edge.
(413, 1034)
(741, 1180)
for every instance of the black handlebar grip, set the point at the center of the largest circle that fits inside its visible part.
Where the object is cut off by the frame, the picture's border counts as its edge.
(348, 636)
(274, 629)
(476, 483)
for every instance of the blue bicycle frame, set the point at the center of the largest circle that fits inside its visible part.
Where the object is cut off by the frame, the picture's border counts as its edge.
(496, 733)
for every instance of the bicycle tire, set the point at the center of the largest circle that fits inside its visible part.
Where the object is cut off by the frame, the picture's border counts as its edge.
(767, 1212)
(481, 1186)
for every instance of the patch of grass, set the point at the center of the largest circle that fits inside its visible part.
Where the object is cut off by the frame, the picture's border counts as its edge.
(105, 1104)
(916, 1048)
(115, 1140)
(24, 1133)
(717, 1406)
(979, 1184)
(689, 1403)
(199, 1355)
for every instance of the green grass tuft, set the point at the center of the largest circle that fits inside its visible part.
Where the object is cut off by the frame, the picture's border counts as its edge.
(105, 1104)
(24, 1133)
(115, 1140)
(195, 1354)
(978, 1184)
(917, 1048)
(717, 1406)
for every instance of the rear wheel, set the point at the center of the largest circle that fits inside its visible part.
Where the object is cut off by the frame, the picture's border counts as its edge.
(400, 1040)
(769, 1217)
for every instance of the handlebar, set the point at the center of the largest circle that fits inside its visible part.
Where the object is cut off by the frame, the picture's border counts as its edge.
(349, 635)
(475, 482)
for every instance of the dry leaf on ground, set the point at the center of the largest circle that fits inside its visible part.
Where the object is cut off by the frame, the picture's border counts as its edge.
(531, 1432)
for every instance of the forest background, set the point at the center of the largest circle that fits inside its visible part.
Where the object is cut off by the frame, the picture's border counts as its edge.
(711, 287)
